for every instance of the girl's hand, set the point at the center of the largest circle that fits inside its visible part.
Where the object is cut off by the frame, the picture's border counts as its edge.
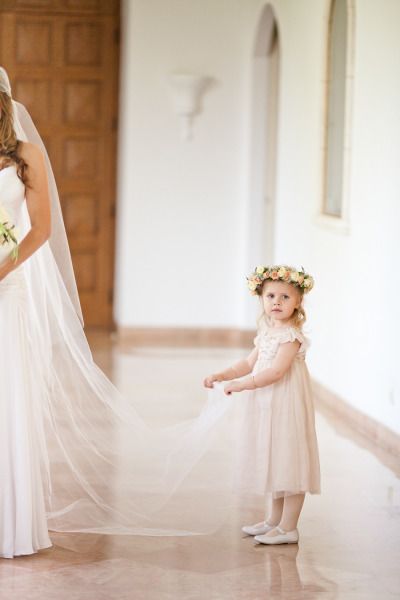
(233, 386)
(209, 381)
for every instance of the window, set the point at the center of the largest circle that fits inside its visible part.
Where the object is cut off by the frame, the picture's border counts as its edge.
(336, 96)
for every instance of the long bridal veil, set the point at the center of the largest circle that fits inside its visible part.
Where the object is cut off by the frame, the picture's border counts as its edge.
(104, 469)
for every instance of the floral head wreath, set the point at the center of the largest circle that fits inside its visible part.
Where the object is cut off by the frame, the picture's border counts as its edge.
(299, 279)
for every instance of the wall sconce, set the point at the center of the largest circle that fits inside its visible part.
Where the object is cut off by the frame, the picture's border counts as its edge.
(186, 93)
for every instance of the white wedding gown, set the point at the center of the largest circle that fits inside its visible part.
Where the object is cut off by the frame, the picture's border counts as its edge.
(23, 523)
(74, 454)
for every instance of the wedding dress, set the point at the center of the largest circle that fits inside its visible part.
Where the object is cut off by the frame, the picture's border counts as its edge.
(23, 524)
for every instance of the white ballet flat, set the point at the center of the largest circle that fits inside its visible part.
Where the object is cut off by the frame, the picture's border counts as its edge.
(258, 528)
(284, 537)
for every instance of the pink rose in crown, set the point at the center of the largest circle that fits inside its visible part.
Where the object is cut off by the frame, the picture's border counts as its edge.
(274, 275)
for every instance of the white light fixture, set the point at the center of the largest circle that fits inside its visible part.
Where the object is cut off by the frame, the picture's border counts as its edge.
(186, 94)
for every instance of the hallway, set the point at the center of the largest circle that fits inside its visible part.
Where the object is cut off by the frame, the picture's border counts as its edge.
(349, 536)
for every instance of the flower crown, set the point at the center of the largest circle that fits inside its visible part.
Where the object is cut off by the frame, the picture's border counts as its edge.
(260, 274)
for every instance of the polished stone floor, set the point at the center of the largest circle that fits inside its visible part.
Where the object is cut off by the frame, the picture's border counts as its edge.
(349, 536)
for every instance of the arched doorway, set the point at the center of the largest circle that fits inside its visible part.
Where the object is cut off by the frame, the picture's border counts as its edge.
(263, 161)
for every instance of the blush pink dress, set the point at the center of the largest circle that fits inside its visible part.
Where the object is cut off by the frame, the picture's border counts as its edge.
(278, 442)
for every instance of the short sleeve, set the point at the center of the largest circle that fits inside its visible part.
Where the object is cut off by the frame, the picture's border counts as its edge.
(257, 341)
(291, 334)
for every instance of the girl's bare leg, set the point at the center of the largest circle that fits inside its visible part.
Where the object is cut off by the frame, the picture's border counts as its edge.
(291, 511)
(275, 512)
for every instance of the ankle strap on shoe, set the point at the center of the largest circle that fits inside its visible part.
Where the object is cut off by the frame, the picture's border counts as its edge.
(282, 531)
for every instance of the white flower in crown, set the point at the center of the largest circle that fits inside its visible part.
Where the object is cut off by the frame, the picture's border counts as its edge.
(294, 276)
(308, 282)
(282, 272)
(252, 286)
(260, 270)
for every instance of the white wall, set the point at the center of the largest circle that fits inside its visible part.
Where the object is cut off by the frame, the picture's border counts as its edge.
(179, 203)
(182, 227)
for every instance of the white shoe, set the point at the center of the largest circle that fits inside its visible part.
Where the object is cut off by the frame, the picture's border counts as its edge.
(284, 537)
(258, 528)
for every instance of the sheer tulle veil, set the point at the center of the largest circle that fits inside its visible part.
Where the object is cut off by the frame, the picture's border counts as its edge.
(104, 469)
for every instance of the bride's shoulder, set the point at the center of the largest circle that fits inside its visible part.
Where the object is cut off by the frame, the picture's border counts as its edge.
(29, 152)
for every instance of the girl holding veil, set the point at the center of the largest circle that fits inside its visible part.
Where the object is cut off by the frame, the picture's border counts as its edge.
(74, 454)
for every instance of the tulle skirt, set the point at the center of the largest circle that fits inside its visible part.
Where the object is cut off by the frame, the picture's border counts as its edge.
(278, 449)
(23, 522)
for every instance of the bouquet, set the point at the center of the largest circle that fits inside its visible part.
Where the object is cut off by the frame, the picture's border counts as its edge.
(7, 233)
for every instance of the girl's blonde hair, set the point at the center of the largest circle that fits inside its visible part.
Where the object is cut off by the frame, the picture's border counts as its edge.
(9, 142)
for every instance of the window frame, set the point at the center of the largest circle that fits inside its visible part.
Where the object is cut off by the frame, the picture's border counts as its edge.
(339, 223)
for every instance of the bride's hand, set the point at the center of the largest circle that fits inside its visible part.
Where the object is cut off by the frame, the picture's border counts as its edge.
(3, 272)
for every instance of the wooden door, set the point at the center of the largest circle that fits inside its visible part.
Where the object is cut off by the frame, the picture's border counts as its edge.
(62, 58)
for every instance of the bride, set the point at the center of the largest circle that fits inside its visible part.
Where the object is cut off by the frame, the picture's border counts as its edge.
(23, 526)
(74, 454)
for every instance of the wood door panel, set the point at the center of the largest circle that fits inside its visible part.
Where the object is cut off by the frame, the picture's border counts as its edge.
(35, 94)
(33, 3)
(86, 272)
(84, 4)
(90, 7)
(80, 215)
(62, 58)
(31, 34)
(83, 44)
(81, 158)
(82, 103)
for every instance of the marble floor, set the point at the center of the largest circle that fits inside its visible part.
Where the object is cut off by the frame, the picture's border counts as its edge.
(349, 536)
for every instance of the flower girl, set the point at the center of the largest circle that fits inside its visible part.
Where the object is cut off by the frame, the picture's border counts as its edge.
(279, 437)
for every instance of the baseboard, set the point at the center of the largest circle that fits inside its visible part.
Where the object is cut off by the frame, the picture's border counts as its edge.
(184, 337)
(350, 421)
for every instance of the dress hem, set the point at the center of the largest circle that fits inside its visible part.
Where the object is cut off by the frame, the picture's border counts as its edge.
(26, 553)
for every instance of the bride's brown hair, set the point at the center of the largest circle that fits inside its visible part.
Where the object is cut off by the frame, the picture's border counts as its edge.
(9, 144)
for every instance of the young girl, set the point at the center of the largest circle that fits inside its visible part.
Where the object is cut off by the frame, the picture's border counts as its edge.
(280, 401)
